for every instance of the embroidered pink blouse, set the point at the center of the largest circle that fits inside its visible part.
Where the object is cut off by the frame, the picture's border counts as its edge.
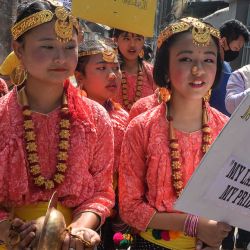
(88, 180)
(145, 184)
(119, 119)
(3, 87)
(148, 85)
(144, 104)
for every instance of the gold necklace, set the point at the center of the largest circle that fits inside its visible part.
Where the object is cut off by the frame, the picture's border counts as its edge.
(175, 149)
(31, 145)
(138, 92)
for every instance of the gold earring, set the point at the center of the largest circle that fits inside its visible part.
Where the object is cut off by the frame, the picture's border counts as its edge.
(164, 95)
(206, 98)
(141, 54)
(18, 75)
(194, 70)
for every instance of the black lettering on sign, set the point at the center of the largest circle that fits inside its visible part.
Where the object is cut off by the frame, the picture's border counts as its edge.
(228, 193)
(236, 170)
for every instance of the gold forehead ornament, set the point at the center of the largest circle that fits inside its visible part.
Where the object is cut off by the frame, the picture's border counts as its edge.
(201, 32)
(63, 26)
(109, 54)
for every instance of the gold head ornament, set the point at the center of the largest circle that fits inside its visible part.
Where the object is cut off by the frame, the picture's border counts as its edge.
(201, 32)
(102, 46)
(63, 26)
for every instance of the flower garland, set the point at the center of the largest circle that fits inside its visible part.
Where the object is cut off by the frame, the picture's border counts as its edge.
(175, 151)
(31, 145)
(126, 102)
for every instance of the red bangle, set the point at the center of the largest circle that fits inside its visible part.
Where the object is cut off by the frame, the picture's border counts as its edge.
(190, 225)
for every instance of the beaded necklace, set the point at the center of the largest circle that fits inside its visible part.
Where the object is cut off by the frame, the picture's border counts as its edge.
(175, 151)
(31, 145)
(126, 102)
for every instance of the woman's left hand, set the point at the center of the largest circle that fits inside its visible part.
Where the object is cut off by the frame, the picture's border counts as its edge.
(75, 240)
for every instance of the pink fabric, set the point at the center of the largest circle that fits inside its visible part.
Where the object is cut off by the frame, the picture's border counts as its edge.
(145, 184)
(3, 87)
(148, 86)
(144, 104)
(119, 118)
(88, 182)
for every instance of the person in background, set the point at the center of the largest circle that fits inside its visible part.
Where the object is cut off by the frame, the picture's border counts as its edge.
(51, 139)
(238, 87)
(234, 35)
(163, 146)
(99, 76)
(137, 76)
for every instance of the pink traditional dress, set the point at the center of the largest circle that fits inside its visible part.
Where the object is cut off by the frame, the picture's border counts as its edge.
(144, 104)
(88, 178)
(119, 119)
(3, 87)
(145, 176)
(136, 88)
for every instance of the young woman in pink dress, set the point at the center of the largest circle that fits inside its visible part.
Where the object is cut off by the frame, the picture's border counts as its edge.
(51, 139)
(137, 74)
(163, 146)
(98, 75)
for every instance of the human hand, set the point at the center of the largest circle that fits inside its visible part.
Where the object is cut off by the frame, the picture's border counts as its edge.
(21, 234)
(212, 232)
(81, 239)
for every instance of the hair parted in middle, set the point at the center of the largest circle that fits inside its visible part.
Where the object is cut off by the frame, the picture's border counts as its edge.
(202, 34)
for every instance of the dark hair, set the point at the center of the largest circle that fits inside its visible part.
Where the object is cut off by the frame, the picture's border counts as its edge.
(82, 63)
(161, 65)
(232, 29)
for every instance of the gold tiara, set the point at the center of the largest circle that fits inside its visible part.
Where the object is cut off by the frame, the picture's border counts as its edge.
(94, 47)
(63, 26)
(201, 31)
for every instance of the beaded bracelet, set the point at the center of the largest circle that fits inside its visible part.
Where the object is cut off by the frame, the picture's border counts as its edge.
(190, 225)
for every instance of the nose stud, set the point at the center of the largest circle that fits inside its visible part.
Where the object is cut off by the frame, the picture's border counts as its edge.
(194, 70)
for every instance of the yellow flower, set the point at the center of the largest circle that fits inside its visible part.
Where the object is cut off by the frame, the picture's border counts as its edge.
(28, 124)
(64, 145)
(62, 156)
(33, 158)
(65, 123)
(27, 112)
(35, 169)
(39, 180)
(175, 165)
(30, 136)
(59, 178)
(61, 167)
(49, 184)
(31, 146)
(64, 134)
(175, 154)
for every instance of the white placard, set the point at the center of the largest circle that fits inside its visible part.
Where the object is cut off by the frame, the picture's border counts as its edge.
(219, 189)
(67, 3)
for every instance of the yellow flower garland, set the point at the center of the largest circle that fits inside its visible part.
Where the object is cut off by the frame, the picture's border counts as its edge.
(126, 102)
(31, 146)
(175, 151)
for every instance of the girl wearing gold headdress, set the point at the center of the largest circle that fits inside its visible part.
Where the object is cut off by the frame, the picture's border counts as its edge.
(51, 139)
(137, 78)
(163, 146)
(98, 75)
